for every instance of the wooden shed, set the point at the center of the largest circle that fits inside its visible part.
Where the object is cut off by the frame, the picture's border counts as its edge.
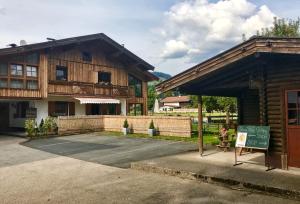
(264, 75)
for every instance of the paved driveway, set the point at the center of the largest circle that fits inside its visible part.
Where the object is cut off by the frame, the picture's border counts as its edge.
(109, 150)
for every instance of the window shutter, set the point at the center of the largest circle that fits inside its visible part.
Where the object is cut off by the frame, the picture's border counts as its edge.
(51, 108)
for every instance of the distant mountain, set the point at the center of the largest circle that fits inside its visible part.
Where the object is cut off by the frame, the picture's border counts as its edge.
(162, 76)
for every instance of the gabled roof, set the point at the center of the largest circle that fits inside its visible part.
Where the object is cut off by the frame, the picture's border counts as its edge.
(176, 99)
(76, 40)
(247, 48)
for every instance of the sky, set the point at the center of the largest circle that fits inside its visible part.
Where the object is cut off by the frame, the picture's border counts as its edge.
(172, 35)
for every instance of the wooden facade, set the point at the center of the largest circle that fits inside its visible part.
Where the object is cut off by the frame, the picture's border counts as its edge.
(81, 59)
(264, 75)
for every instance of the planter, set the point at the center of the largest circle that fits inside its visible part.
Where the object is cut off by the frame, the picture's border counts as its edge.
(151, 132)
(126, 131)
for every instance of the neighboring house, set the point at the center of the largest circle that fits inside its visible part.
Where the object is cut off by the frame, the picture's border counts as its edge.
(87, 75)
(175, 102)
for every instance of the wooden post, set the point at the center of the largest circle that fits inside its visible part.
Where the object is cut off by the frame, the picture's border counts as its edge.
(200, 125)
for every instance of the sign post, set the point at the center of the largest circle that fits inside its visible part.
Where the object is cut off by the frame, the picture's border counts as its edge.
(253, 137)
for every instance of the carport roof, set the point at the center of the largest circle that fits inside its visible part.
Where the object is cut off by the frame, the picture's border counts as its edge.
(239, 52)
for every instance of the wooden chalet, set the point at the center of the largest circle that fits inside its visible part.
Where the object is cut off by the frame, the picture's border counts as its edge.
(264, 75)
(87, 75)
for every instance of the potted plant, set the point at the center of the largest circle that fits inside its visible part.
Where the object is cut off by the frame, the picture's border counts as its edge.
(151, 130)
(125, 127)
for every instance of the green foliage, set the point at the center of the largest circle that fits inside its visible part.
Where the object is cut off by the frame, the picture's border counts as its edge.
(30, 127)
(125, 124)
(152, 95)
(222, 104)
(151, 126)
(282, 28)
(43, 129)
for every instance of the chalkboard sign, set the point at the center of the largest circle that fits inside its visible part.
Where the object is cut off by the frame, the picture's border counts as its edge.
(256, 137)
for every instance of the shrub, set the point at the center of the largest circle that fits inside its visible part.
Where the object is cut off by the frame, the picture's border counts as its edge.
(151, 126)
(50, 124)
(30, 127)
(125, 124)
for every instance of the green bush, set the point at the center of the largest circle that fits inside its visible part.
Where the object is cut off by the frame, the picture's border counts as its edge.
(151, 126)
(30, 127)
(125, 124)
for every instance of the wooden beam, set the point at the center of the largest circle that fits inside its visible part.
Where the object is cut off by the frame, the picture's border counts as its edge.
(200, 125)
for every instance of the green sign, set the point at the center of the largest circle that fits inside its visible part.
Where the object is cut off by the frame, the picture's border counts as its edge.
(256, 137)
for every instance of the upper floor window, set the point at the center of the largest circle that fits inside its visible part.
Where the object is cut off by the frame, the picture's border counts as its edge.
(104, 77)
(16, 84)
(3, 69)
(16, 69)
(136, 84)
(61, 73)
(87, 56)
(31, 71)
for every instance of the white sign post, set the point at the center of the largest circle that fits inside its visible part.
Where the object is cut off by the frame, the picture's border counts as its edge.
(241, 139)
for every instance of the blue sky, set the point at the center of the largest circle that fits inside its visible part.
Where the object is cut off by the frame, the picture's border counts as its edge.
(170, 34)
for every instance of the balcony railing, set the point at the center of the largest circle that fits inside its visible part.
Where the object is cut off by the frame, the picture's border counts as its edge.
(87, 89)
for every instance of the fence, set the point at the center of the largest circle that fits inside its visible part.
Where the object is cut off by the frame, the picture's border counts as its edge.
(168, 126)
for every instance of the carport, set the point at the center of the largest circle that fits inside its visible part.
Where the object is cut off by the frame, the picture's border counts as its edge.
(264, 75)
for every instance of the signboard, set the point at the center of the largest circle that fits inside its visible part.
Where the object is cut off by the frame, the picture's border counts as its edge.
(256, 137)
(31, 113)
(241, 139)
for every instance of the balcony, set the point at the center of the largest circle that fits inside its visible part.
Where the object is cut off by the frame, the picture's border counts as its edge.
(87, 89)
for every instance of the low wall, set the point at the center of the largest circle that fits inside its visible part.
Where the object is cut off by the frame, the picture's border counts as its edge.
(168, 126)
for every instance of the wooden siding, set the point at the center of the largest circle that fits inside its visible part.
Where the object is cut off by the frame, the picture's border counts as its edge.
(279, 79)
(249, 108)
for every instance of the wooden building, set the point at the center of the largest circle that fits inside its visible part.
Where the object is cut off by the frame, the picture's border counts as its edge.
(176, 102)
(87, 75)
(264, 75)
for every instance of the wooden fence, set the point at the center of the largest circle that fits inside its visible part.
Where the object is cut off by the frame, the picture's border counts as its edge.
(166, 125)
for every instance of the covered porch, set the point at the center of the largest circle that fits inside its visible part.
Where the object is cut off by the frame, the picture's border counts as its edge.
(264, 75)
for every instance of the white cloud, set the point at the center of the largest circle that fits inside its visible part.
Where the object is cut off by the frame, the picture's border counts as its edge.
(175, 49)
(195, 28)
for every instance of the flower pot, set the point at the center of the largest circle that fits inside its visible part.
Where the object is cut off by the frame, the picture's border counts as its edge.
(125, 131)
(151, 132)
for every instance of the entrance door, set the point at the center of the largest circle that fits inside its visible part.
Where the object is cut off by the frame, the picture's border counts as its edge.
(293, 128)
(4, 116)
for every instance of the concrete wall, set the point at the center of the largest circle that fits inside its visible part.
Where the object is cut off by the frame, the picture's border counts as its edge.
(169, 126)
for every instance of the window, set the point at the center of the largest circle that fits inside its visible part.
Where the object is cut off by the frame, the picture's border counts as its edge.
(135, 109)
(3, 83)
(16, 69)
(104, 77)
(32, 84)
(61, 73)
(136, 84)
(21, 108)
(3, 69)
(293, 98)
(16, 84)
(86, 56)
(31, 71)
(61, 108)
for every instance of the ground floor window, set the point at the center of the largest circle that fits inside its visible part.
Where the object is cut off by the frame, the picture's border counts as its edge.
(21, 108)
(103, 109)
(61, 108)
(135, 109)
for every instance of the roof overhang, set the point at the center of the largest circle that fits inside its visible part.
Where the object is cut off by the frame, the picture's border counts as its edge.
(97, 101)
(253, 46)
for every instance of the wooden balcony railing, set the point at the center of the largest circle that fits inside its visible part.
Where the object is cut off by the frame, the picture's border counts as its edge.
(87, 89)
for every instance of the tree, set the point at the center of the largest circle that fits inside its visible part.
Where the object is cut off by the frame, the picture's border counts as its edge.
(223, 104)
(152, 95)
(282, 28)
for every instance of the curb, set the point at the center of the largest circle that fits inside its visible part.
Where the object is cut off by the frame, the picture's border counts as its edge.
(217, 180)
